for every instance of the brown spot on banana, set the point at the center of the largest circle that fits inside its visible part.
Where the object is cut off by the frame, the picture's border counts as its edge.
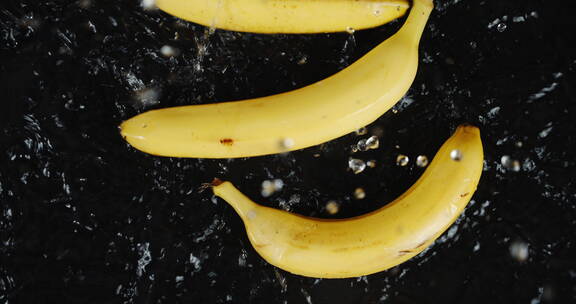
(403, 252)
(227, 141)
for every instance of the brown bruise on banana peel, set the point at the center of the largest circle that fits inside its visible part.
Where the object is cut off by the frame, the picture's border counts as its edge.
(417, 248)
(227, 141)
(464, 194)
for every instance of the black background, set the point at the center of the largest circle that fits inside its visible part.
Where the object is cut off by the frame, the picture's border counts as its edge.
(84, 218)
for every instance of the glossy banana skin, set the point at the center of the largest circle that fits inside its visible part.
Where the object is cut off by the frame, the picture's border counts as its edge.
(328, 109)
(286, 16)
(373, 242)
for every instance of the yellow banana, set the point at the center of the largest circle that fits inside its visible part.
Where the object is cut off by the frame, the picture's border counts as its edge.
(286, 16)
(340, 104)
(376, 241)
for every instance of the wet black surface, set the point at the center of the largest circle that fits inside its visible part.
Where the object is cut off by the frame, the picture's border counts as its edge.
(84, 218)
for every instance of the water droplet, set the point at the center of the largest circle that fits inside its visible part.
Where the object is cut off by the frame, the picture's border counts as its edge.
(361, 145)
(516, 165)
(510, 164)
(402, 160)
(505, 160)
(357, 165)
(519, 251)
(371, 163)
(169, 51)
(148, 4)
(303, 60)
(501, 27)
(359, 193)
(286, 143)
(350, 30)
(372, 142)
(421, 161)
(367, 144)
(268, 188)
(332, 207)
(361, 131)
(456, 155)
(278, 184)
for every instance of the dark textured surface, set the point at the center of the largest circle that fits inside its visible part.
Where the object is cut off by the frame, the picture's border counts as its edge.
(84, 218)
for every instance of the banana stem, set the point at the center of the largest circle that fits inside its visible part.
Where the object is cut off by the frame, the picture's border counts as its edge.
(226, 191)
(416, 22)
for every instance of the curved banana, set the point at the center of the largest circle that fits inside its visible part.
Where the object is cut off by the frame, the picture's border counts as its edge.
(286, 16)
(340, 104)
(376, 241)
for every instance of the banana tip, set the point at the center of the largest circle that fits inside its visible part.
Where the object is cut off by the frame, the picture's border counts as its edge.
(121, 130)
(468, 128)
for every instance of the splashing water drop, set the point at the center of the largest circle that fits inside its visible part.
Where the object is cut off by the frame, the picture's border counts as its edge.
(402, 160)
(286, 143)
(456, 155)
(359, 193)
(148, 4)
(270, 187)
(372, 142)
(519, 251)
(361, 131)
(332, 207)
(421, 161)
(169, 51)
(357, 165)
